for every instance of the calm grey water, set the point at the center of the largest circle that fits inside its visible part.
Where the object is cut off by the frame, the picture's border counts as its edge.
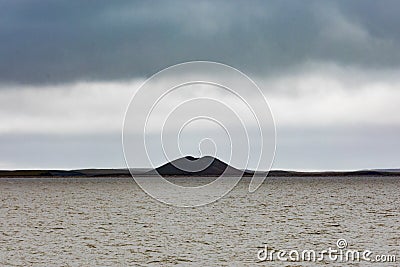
(111, 222)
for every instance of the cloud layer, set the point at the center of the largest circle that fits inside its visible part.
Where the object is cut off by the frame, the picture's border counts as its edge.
(326, 118)
(58, 41)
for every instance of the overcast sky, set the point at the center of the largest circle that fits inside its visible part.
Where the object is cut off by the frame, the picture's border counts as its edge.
(329, 70)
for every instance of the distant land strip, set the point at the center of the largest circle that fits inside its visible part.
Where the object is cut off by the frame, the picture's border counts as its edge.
(149, 173)
(190, 166)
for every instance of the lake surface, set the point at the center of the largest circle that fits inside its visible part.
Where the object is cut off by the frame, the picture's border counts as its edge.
(112, 222)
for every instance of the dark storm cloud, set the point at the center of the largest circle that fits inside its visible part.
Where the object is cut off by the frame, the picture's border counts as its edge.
(64, 41)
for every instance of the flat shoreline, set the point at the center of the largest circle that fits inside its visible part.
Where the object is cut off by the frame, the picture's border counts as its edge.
(119, 173)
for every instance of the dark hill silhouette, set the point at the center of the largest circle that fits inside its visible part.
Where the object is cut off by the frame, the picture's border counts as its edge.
(191, 166)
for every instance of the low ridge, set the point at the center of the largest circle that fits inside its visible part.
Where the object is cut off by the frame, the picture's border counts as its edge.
(192, 166)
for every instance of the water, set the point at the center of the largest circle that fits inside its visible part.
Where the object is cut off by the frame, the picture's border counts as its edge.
(111, 222)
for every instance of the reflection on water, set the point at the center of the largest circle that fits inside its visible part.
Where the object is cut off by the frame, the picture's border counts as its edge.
(86, 222)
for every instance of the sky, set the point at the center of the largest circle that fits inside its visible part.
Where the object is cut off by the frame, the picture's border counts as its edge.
(329, 70)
